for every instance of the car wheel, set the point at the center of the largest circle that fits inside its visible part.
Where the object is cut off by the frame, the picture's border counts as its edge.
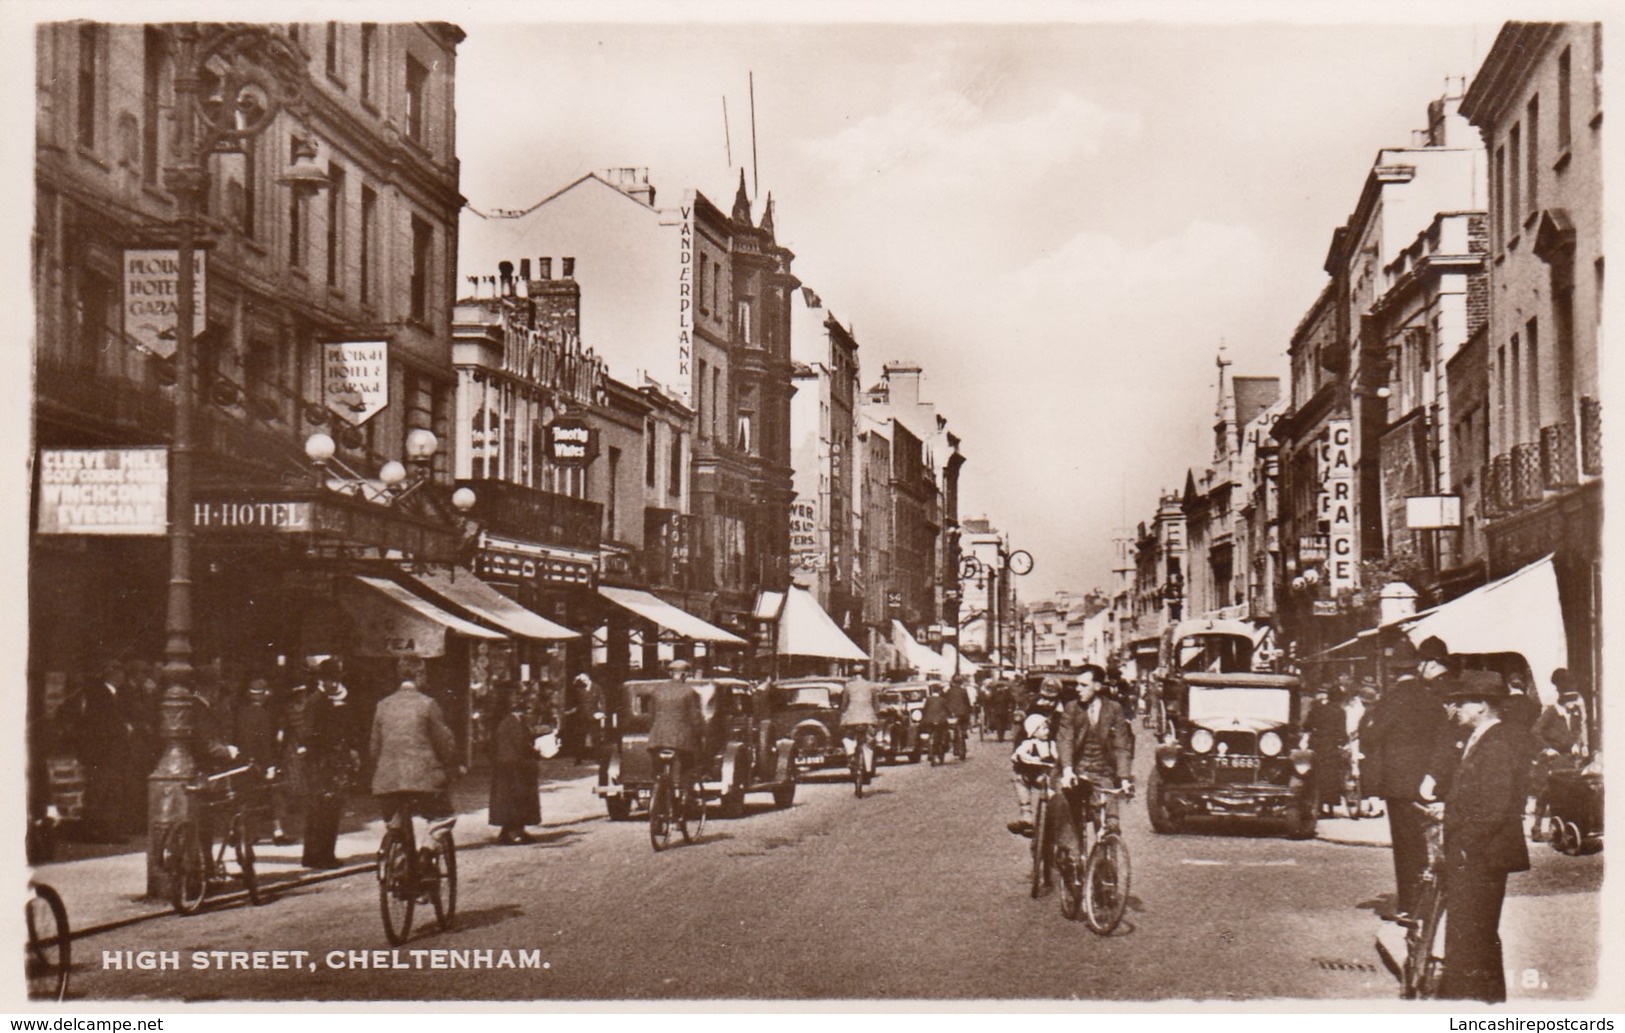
(1163, 821)
(732, 804)
(1301, 824)
(620, 808)
(784, 794)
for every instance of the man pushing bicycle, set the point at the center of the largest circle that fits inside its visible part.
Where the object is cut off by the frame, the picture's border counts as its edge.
(1096, 749)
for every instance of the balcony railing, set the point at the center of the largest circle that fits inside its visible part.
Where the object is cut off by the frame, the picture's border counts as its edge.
(1498, 496)
(1591, 437)
(534, 515)
(1557, 464)
(1527, 485)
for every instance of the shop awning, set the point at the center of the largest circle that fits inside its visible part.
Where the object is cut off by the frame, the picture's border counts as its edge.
(1520, 613)
(464, 588)
(955, 660)
(920, 657)
(653, 608)
(806, 630)
(392, 621)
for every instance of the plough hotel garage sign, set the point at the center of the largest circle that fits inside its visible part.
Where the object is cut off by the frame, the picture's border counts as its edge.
(104, 491)
(357, 379)
(151, 293)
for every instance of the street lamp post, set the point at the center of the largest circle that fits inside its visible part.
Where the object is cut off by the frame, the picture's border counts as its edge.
(995, 580)
(256, 73)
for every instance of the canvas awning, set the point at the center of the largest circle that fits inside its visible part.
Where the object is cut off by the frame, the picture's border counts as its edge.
(681, 623)
(957, 661)
(1520, 613)
(464, 588)
(920, 657)
(392, 621)
(806, 630)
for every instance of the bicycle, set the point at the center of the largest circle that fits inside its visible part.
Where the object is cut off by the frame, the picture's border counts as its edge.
(1424, 956)
(670, 806)
(938, 748)
(409, 874)
(1098, 889)
(191, 860)
(48, 954)
(1043, 840)
(957, 732)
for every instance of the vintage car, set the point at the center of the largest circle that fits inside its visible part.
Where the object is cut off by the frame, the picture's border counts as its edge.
(1196, 646)
(1231, 750)
(742, 754)
(901, 709)
(807, 711)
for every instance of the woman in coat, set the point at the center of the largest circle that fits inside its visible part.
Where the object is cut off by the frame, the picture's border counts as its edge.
(514, 782)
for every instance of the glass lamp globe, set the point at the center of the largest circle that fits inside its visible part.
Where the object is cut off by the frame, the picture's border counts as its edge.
(392, 473)
(421, 444)
(463, 499)
(319, 448)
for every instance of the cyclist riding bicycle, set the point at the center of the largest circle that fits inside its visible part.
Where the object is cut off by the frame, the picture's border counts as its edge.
(858, 720)
(677, 722)
(959, 704)
(1095, 746)
(413, 753)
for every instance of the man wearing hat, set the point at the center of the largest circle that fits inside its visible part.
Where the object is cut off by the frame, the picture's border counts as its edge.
(677, 721)
(1407, 724)
(1483, 839)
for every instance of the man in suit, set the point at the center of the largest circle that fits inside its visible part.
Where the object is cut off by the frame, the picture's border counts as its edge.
(1483, 840)
(326, 746)
(108, 736)
(1093, 743)
(677, 721)
(1407, 725)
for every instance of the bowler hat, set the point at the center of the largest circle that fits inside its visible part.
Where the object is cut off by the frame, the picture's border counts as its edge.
(1471, 685)
(1433, 648)
(680, 665)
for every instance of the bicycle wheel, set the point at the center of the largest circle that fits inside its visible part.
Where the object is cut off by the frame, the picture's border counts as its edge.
(242, 843)
(396, 893)
(693, 825)
(447, 859)
(857, 772)
(185, 860)
(1105, 884)
(961, 742)
(1070, 866)
(1424, 967)
(49, 945)
(660, 819)
(1041, 848)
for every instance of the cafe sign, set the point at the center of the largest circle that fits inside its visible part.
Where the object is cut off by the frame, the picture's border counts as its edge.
(119, 491)
(151, 297)
(355, 379)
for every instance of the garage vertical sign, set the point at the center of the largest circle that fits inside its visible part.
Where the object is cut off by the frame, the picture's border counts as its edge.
(1338, 500)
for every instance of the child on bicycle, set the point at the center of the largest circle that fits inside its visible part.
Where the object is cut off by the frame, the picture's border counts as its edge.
(1033, 758)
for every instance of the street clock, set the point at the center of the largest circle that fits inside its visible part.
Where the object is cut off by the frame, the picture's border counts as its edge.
(1020, 562)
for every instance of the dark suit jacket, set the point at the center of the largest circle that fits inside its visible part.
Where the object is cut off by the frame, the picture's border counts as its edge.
(677, 722)
(1107, 737)
(958, 701)
(1407, 726)
(412, 749)
(1483, 813)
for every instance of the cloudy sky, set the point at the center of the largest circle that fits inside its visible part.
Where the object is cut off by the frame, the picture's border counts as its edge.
(1060, 221)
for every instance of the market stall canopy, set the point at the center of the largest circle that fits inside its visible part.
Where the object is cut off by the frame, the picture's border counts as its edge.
(653, 608)
(1520, 613)
(463, 587)
(393, 621)
(806, 630)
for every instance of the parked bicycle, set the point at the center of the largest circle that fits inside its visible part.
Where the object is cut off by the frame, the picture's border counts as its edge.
(1424, 949)
(673, 806)
(409, 875)
(48, 953)
(1097, 890)
(231, 803)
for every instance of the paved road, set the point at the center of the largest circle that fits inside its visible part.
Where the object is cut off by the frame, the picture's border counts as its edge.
(915, 892)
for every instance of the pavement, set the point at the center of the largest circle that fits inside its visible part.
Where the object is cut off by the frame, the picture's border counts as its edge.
(103, 885)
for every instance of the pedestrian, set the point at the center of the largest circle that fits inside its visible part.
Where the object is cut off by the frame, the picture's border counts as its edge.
(514, 801)
(1407, 725)
(259, 735)
(575, 721)
(934, 723)
(1326, 732)
(1483, 840)
(327, 743)
(108, 713)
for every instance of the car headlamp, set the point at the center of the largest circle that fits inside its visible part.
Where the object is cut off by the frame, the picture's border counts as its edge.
(1270, 744)
(917, 716)
(1201, 740)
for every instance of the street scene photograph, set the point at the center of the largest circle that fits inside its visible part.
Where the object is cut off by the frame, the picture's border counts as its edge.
(688, 507)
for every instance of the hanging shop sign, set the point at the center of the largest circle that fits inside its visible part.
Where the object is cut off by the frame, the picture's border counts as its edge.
(1432, 512)
(1338, 506)
(571, 441)
(121, 491)
(355, 379)
(151, 292)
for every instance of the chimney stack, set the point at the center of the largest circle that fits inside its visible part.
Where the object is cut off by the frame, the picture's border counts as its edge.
(568, 271)
(544, 268)
(505, 274)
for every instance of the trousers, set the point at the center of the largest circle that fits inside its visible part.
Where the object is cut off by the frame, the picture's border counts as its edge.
(1472, 935)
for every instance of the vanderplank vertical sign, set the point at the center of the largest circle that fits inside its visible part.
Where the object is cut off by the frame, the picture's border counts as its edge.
(104, 491)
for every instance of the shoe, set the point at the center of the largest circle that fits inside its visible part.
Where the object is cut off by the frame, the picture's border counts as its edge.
(1405, 918)
(522, 838)
(281, 839)
(1021, 828)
